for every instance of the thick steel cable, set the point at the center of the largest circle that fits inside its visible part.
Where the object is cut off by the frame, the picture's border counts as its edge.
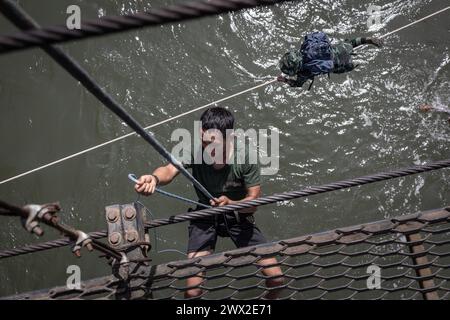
(309, 191)
(334, 186)
(69, 231)
(10, 210)
(7, 213)
(43, 246)
(21, 19)
(113, 24)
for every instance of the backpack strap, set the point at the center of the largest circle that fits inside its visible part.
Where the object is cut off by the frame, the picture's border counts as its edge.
(310, 85)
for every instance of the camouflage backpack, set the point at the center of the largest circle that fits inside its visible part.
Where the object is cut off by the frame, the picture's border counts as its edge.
(317, 55)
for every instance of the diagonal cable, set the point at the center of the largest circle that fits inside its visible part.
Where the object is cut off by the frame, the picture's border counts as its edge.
(21, 19)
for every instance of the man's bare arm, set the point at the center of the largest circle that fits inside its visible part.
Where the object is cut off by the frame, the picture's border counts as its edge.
(161, 176)
(252, 193)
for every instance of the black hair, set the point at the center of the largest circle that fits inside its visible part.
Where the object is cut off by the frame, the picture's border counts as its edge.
(217, 118)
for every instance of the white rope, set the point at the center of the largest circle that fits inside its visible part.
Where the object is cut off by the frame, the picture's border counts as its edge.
(133, 133)
(413, 23)
(187, 112)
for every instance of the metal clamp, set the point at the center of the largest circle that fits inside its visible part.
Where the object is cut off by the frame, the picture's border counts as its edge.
(38, 212)
(124, 267)
(83, 240)
(48, 212)
(30, 223)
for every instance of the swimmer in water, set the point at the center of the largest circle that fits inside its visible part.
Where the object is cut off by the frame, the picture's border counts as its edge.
(317, 55)
(437, 108)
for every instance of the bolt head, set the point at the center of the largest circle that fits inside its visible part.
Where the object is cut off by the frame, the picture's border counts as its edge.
(113, 216)
(130, 213)
(114, 238)
(38, 231)
(131, 236)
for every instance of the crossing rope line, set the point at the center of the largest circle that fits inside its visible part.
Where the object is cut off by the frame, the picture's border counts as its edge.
(133, 133)
(74, 155)
(415, 22)
(205, 213)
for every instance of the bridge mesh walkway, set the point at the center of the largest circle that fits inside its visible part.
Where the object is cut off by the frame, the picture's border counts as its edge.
(411, 251)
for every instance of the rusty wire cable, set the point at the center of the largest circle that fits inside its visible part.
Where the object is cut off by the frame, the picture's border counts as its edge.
(10, 210)
(51, 244)
(113, 24)
(334, 186)
(309, 191)
(47, 215)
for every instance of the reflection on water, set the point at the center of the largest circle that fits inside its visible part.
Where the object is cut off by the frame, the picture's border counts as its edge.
(353, 124)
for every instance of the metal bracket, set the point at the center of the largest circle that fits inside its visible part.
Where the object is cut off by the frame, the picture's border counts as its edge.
(126, 227)
(126, 233)
(30, 223)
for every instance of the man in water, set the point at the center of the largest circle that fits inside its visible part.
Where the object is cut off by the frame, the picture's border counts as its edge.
(291, 62)
(230, 180)
(436, 108)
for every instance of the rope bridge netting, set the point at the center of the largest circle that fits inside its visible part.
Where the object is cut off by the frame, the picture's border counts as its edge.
(412, 253)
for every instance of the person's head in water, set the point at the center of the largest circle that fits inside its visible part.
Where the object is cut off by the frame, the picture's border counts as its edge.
(290, 62)
(215, 123)
(425, 107)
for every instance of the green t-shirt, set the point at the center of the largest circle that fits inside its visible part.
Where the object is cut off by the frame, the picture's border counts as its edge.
(232, 180)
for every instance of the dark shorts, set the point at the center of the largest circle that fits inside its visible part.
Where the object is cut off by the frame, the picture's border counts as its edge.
(203, 233)
(343, 61)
